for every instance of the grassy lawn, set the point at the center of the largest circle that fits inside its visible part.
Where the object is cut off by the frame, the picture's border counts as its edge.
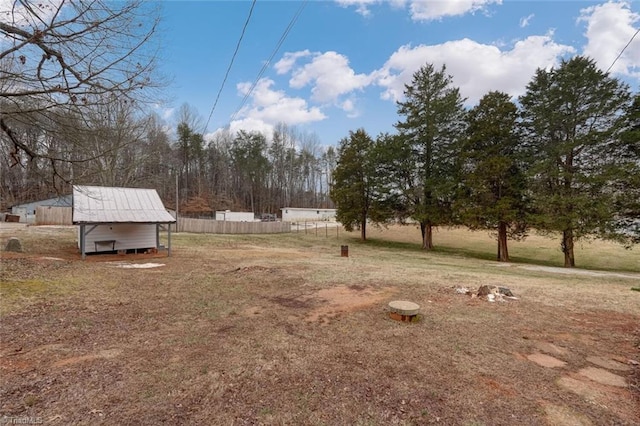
(280, 329)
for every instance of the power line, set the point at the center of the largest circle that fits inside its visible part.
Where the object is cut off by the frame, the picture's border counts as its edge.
(622, 51)
(283, 37)
(226, 75)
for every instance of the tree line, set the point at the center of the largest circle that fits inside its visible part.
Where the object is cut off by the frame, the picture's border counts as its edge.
(114, 146)
(564, 158)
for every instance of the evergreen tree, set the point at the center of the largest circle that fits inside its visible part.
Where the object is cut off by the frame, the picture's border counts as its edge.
(625, 177)
(493, 182)
(353, 181)
(571, 114)
(434, 121)
(251, 167)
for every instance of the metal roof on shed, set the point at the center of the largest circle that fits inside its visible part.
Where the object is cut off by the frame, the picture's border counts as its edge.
(98, 204)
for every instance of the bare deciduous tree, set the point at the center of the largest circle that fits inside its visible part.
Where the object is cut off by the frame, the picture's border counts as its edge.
(62, 58)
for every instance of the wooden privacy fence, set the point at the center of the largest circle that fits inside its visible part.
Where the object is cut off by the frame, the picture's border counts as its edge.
(208, 226)
(47, 215)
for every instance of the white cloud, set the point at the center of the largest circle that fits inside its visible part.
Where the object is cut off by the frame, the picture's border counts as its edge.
(251, 124)
(269, 107)
(610, 26)
(14, 13)
(524, 22)
(246, 124)
(349, 106)
(289, 59)
(424, 10)
(330, 76)
(164, 112)
(433, 10)
(362, 6)
(476, 68)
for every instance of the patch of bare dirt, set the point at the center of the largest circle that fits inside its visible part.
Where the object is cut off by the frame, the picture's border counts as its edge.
(601, 395)
(104, 354)
(339, 300)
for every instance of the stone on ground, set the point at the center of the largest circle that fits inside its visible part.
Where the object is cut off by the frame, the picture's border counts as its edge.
(608, 363)
(603, 377)
(546, 360)
(14, 245)
(562, 415)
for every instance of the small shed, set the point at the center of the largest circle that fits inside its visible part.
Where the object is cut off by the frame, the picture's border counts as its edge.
(298, 214)
(119, 219)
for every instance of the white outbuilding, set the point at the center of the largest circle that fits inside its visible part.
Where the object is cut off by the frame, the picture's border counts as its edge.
(229, 216)
(119, 219)
(298, 214)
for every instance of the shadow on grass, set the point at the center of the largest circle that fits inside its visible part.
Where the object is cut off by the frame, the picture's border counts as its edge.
(450, 251)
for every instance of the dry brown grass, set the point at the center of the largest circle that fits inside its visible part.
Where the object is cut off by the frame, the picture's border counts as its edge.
(282, 330)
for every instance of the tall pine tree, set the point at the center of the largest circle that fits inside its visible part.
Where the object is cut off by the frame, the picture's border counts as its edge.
(353, 179)
(570, 115)
(433, 123)
(493, 182)
(625, 177)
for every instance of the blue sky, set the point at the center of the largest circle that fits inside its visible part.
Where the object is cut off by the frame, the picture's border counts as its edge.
(344, 63)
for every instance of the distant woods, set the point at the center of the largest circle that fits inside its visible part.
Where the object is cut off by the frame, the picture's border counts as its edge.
(241, 172)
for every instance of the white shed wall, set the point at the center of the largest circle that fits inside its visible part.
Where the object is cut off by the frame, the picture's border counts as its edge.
(127, 236)
(22, 212)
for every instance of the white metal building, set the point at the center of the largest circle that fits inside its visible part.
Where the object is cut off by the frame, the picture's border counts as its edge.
(114, 219)
(297, 214)
(27, 211)
(229, 216)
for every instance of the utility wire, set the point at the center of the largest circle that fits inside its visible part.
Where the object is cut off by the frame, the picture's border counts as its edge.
(226, 75)
(622, 51)
(283, 37)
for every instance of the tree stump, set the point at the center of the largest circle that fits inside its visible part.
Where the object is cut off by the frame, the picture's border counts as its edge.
(402, 310)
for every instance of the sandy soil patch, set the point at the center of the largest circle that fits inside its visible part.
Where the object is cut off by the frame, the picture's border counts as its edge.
(341, 299)
(104, 354)
(135, 265)
(600, 395)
